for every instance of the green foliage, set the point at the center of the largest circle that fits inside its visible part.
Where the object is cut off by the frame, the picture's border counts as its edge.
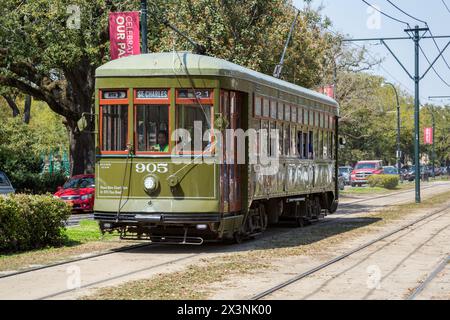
(386, 181)
(31, 222)
(21, 146)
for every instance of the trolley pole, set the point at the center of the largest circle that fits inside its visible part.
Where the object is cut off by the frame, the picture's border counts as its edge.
(144, 26)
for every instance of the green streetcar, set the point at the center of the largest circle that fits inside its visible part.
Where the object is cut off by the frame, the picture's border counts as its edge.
(154, 181)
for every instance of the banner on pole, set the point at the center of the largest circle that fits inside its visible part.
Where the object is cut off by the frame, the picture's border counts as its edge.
(428, 135)
(124, 34)
(327, 90)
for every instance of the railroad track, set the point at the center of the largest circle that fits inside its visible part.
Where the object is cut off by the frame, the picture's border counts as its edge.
(347, 204)
(126, 274)
(439, 268)
(129, 248)
(335, 260)
(133, 247)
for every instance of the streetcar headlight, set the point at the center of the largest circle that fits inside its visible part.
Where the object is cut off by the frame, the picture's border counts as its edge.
(150, 184)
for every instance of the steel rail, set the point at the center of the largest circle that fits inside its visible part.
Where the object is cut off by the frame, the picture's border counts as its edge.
(439, 268)
(138, 246)
(101, 254)
(342, 257)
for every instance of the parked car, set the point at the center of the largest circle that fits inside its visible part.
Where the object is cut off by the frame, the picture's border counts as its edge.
(5, 185)
(346, 171)
(363, 170)
(341, 181)
(390, 170)
(410, 175)
(78, 192)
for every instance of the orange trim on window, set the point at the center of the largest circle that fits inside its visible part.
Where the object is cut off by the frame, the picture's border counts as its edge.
(168, 133)
(101, 133)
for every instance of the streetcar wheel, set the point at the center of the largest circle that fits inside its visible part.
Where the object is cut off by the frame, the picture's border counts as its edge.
(333, 207)
(300, 222)
(238, 238)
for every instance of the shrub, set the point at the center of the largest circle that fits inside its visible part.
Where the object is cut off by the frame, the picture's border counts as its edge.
(384, 180)
(31, 222)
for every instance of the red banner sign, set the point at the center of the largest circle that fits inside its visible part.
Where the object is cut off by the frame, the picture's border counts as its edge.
(124, 34)
(327, 90)
(428, 135)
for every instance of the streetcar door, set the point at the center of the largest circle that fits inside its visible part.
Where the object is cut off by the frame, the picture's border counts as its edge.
(230, 108)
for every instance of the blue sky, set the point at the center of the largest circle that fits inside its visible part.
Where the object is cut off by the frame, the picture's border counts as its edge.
(353, 17)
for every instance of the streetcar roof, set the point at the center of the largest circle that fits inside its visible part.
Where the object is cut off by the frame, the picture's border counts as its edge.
(168, 64)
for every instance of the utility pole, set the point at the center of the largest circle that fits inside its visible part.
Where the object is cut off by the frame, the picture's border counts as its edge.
(416, 40)
(416, 78)
(144, 26)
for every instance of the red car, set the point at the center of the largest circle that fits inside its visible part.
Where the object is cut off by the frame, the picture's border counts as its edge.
(78, 192)
(363, 170)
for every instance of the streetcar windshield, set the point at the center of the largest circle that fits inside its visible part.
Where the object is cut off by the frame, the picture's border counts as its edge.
(193, 121)
(152, 128)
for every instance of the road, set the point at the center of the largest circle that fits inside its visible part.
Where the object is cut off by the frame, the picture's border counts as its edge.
(71, 281)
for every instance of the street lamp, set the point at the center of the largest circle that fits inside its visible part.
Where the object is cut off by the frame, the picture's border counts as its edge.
(399, 165)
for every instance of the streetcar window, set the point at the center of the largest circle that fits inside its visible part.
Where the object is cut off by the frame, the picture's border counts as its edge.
(264, 143)
(321, 152)
(114, 127)
(287, 139)
(280, 138)
(311, 145)
(300, 115)
(294, 114)
(266, 108)
(293, 141)
(194, 121)
(258, 106)
(316, 145)
(273, 139)
(287, 112)
(280, 111)
(306, 117)
(305, 145)
(152, 126)
(273, 109)
(300, 144)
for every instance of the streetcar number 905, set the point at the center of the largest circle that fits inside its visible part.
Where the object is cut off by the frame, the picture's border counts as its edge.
(152, 167)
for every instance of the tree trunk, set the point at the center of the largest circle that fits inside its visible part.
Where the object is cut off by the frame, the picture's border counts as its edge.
(27, 109)
(81, 151)
(12, 104)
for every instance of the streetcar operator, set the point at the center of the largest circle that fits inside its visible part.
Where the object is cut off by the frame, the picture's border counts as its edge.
(163, 145)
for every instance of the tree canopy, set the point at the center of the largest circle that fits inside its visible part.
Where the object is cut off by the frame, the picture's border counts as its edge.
(49, 49)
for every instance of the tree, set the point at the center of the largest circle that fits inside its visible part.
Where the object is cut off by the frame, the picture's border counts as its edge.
(49, 49)
(11, 96)
(43, 54)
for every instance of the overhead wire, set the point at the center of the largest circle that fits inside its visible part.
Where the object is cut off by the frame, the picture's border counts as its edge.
(385, 14)
(406, 13)
(434, 69)
(446, 6)
(432, 37)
